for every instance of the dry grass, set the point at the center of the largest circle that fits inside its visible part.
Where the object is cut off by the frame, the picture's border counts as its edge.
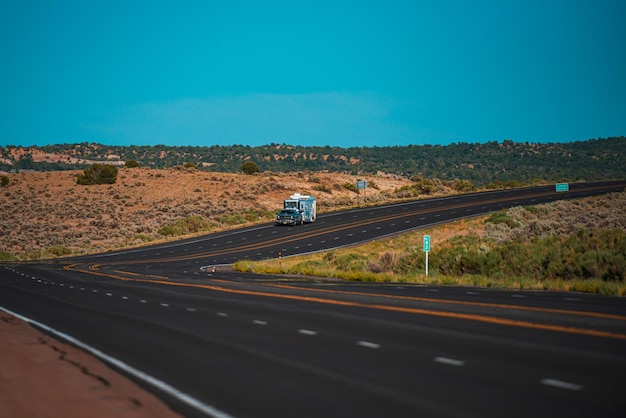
(47, 213)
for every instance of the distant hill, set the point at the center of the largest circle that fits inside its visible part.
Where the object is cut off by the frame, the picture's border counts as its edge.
(482, 164)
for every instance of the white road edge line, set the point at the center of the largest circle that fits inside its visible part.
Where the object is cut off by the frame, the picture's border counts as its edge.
(150, 380)
(449, 361)
(561, 384)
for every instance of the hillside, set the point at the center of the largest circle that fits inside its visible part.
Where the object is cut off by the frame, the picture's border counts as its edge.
(47, 213)
(490, 163)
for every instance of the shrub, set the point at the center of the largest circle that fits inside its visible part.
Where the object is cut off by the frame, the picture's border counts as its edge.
(4, 181)
(250, 168)
(98, 174)
(59, 250)
(131, 164)
(5, 256)
(502, 217)
(350, 186)
(188, 225)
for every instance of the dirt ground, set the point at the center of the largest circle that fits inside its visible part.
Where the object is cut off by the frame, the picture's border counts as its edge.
(41, 377)
(47, 213)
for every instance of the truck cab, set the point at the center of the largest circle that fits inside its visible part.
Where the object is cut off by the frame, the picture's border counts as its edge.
(289, 216)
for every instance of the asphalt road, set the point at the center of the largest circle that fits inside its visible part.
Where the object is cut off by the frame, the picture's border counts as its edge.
(227, 344)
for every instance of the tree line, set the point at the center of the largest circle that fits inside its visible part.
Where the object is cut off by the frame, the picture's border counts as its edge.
(480, 163)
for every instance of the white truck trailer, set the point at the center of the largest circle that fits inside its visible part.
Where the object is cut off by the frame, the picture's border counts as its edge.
(298, 209)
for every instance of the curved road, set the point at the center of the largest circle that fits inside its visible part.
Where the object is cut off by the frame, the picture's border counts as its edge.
(220, 343)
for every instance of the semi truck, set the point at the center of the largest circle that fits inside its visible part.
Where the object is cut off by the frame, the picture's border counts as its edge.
(297, 209)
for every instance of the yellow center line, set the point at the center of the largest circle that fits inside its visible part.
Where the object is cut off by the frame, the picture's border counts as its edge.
(443, 314)
(325, 230)
(448, 301)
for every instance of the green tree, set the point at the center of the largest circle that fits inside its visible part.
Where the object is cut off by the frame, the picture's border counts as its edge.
(98, 174)
(131, 164)
(250, 168)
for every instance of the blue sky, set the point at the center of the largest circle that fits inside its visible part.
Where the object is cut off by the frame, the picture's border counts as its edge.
(340, 73)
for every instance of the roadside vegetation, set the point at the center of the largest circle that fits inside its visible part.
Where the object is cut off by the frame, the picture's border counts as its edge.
(568, 245)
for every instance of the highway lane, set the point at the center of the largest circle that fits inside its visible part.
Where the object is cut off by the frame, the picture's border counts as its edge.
(344, 228)
(276, 348)
(261, 346)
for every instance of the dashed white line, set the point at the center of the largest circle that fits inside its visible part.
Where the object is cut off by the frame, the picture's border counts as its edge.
(518, 296)
(307, 332)
(222, 314)
(165, 305)
(561, 384)
(368, 344)
(259, 322)
(449, 361)
(191, 309)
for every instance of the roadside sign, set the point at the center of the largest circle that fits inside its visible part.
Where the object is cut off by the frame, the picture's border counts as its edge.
(361, 184)
(426, 243)
(562, 187)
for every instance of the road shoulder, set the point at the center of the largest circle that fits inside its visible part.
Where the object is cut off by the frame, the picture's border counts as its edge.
(43, 377)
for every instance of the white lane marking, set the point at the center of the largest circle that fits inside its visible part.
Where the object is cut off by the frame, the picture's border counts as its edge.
(150, 380)
(307, 332)
(368, 344)
(473, 293)
(561, 384)
(191, 309)
(165, 305)
(449, 361)
(125, 297)
(518, 296)
(109, 294)
(222, 314)
(433, 290)
(143, 301)
(259, 322)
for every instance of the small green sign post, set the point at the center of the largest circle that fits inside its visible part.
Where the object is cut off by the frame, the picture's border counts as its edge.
(426, 250)
(562, 187)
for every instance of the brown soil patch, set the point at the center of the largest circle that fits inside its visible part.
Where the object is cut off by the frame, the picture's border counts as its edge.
(42, 377)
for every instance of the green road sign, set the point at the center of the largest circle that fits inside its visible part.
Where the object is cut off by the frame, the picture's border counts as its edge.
(562, 187)
(426, 243)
